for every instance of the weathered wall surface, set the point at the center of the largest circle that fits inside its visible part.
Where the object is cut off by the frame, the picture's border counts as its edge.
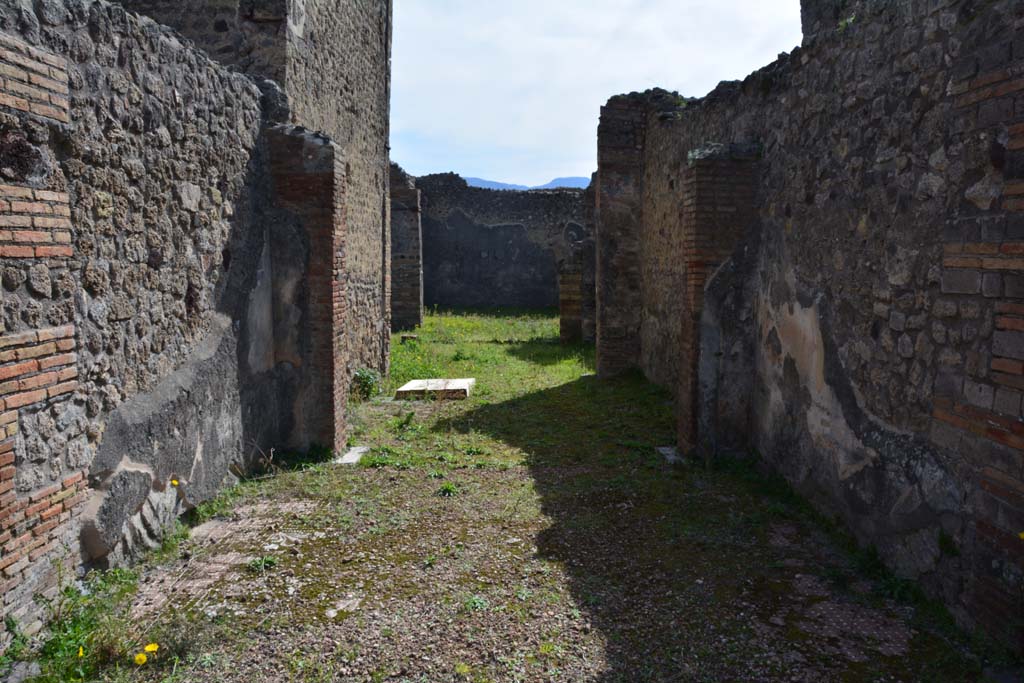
(621, 136)
(577, 288)
(406, 252)
(864, 337)
(339, 82)
(175, 272)
(142, 173)
(250, 35)
(588, 265)
(496, 248)
(333, 62)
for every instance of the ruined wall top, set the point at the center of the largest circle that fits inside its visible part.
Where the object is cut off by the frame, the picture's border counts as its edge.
(400, 179)
(823, 15)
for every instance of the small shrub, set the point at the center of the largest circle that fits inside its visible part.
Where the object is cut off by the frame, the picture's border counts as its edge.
(17, 648)
(448, 490)
(89, 628)
(476, 603)
(262, 565)
(365, 383)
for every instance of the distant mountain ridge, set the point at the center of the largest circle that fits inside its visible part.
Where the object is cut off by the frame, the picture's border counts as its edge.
(571, 182)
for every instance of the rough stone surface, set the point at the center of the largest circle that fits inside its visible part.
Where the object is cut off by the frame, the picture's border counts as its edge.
(870, 314)
(333, 65)
(180, 300)
(496, 247)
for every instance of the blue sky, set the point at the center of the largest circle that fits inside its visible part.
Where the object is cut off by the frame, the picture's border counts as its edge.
(511, 90)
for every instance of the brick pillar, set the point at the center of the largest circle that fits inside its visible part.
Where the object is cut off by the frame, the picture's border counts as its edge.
(618, 224)
(406, 258)
(308, 176)
(718, 206)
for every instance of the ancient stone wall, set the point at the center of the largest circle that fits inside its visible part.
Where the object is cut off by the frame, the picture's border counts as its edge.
(339, 82)
(175, 272)
(863, 337)
(333, 63)
(486, 248)
(406, 252)
(250, 35)
(587, 257)
(124, 194)
(718, 207)
(621, 134)
(577, 288)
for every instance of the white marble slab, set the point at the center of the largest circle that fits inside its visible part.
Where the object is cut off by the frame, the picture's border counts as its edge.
(353, 456)
(449, 389)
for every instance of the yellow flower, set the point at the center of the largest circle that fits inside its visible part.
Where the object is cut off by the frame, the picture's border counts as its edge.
(174, 482)
(141, 659)
(152, 647)
(1021, 535)
(81, 651)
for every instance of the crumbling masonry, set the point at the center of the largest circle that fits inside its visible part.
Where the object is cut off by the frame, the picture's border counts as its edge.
(824, 263)
(189, 277)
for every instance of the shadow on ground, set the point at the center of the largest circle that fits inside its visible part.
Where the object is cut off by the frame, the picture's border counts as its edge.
(551, 352)
(692, 575)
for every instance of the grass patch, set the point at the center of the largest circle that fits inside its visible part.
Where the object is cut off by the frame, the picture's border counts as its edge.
(537, 503)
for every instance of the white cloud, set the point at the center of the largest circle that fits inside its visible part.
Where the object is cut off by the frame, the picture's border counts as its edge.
(512, 90)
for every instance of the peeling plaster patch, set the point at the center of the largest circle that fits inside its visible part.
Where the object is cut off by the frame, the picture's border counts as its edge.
(798, 334)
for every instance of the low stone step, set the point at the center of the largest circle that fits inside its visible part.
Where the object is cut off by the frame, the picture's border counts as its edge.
(353, 456)
(446, 389)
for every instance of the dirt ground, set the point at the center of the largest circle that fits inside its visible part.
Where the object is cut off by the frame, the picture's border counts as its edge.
(531, 533)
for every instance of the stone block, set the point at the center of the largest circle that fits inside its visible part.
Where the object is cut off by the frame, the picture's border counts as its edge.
(1013, 286)
(670, 454)
(992, 285)
(353, 456)
(445, 389)
(1007, 401)
(961, 281)
(978, 394)
(1008, 344)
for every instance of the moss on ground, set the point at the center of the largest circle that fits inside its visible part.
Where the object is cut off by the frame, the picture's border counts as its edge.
(531, 533)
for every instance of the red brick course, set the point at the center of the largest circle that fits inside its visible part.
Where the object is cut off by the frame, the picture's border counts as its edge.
(718, 207)
(36, 222)
(33, 81)
(34, 370)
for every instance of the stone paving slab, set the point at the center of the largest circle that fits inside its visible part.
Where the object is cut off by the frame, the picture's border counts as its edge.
(671, 454)
(449, 389)
(353, 456)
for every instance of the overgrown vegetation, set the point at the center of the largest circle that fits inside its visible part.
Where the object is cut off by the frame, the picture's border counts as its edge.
(89, 630)
(366, 383)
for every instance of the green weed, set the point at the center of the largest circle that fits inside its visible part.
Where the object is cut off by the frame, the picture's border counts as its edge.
(447, 490)
(261, 565)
